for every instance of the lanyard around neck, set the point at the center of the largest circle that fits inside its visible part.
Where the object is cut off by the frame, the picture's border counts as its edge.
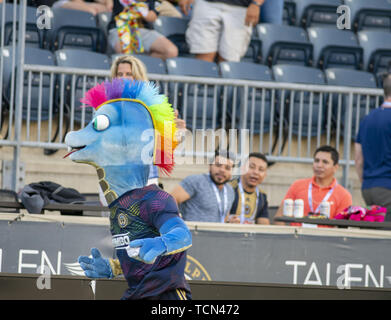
(327, 196)
(242, 214)
(222, 211)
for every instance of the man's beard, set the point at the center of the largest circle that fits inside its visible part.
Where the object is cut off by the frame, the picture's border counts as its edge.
(217, 182)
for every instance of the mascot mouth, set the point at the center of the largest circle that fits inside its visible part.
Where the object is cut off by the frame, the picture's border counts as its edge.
(72, 150)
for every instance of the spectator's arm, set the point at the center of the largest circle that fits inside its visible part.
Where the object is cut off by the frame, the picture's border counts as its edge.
(151, 16)
(180, 195)
(262, 221)
(253, 11)
(359, 160)
(279, 213)
(185, 6)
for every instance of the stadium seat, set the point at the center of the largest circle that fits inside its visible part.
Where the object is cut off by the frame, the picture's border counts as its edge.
(74, 58)
(103, 20)
(34, 56)
(74, 29)
(282, 44)
(335, 48)
(253, 53)
(33, 35)
(174, 29)
(289, 13)
(257, 116)
(361, 105)
(315, 13)
(304, 118)
(153, 64)
(191, 96)
(377, 49)
(369, 15)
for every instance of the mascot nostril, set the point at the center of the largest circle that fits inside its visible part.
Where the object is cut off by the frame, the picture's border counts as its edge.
(133, 126)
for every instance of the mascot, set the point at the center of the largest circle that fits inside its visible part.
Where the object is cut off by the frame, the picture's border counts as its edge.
(133, 127)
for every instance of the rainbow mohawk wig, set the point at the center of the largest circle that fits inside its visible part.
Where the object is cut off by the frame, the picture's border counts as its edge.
(147, 94)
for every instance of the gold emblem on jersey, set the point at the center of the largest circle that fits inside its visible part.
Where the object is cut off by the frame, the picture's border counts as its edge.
(122, 220)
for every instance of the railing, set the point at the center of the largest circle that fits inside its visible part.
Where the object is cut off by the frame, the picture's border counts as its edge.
(286, 121)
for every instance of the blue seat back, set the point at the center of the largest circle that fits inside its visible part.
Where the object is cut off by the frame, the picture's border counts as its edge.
(74, 58)
(304, 113)
(335, 48)
(370, 15)
(37, 89)
(75, 29)
(198, 104)
(258, 113)
(174, 29)
(361, 103)
(377, 49)
(311, 13)
(282, 44)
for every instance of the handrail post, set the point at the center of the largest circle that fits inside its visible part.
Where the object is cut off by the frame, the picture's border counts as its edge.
(19, 93)
(347, 141)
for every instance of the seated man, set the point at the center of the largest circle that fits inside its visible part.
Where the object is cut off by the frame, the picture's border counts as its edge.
(250, 205)
(323, 186)
(207, 197)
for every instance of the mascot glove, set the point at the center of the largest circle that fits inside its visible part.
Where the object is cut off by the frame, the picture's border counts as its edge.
(96, 267)
(150, 248)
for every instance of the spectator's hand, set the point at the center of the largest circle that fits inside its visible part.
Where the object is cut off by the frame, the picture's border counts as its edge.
(252, 15)
(234, 219)
(180, 123)
(151, 16)
(109, 5)
(96, 8)
(185, 6)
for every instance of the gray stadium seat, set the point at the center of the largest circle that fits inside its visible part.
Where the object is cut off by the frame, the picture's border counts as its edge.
(194, 94)
(289, 13)
(351, 78)
(74, 29)
(311, 118)
(34, 56)
(257, 114)
(370, 14)
(335, 48)
(282, 44)
(174, 29)
(74, 58)
(377, 49)
(33, 35)
(315, 13)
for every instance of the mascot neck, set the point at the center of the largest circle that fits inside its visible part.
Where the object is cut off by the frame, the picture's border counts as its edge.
(116, 180)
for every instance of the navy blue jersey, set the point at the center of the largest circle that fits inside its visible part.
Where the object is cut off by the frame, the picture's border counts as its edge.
(139, 214)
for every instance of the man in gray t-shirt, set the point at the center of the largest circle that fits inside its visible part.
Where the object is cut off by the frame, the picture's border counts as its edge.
(207, 197)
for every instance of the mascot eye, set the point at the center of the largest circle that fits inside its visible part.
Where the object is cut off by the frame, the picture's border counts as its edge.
(101, 122)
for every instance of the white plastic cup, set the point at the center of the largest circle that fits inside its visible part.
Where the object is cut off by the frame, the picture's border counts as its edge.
(298, 208)
(288, 208)
(324, 208)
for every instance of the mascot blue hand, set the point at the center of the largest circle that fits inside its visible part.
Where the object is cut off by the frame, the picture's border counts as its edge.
(150, 248)
(95, 267)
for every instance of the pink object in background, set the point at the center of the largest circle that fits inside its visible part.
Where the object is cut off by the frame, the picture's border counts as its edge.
(357, 213)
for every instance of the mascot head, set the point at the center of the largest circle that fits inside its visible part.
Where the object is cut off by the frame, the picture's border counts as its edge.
(132, 128)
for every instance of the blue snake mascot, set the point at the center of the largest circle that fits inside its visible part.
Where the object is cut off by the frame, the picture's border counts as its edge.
(133, 126)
